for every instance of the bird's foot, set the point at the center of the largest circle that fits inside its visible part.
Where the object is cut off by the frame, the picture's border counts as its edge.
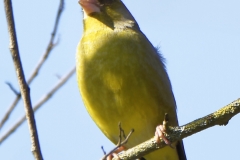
(159, 134)
(161, 131)
(115, 153)
(119, 147)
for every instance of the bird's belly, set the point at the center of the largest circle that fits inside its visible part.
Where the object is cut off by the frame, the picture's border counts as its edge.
(124, 87)
(111, 98)
(114, 92)
(119, 98)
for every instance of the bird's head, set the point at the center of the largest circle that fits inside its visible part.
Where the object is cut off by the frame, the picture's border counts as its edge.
(109, 11)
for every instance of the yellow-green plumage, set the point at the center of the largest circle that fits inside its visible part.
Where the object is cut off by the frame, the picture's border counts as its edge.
(122, 78)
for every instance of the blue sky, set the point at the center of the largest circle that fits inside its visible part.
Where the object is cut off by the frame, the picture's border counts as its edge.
(199, 39)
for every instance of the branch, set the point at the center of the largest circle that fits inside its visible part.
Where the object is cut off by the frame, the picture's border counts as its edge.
(25, 91)
(10, 109)
(51, 44)
(35, 72)
(120, 142)
(44, 99)
(220, 117)
(12, 88)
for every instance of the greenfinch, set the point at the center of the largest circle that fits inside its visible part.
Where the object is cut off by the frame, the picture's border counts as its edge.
(122, 77)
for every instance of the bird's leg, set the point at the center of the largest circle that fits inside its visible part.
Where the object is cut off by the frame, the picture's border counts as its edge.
(161, 130)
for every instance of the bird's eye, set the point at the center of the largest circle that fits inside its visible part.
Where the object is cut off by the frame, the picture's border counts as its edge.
(105, 2)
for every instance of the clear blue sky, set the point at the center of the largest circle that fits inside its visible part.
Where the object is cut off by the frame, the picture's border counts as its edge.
(199, 39)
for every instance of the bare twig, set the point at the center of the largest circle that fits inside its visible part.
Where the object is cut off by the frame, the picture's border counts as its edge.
(104, 152)
(10, 109)
(120, 142)
(165, 122)
(127, 138)
(51, 44)
(166, 127)
(18, 96)
(220, 117)
(35, 72)
(44, 99)
(121, 131)
(25, 91)
(12, 88)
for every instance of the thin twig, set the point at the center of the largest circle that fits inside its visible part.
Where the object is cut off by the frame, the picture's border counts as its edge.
(166, 128)
(44, 99)
(51, 44)
(9, 111)
(120, 142)
(36, 70)
(165, 122)
(120, 134)
(104, 152)
(18, 97)
(25, 91)
(12, 88)
(127, 138)
(220, 117)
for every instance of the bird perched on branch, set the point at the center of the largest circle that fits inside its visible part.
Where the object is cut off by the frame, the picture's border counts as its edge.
(122, 77)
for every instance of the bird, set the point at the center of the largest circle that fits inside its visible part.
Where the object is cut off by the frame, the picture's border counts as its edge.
(122, 77)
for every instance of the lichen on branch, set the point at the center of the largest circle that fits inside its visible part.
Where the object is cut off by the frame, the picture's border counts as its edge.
(220, 117)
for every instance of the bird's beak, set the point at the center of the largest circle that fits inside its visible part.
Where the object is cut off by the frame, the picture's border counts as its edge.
(89, 6)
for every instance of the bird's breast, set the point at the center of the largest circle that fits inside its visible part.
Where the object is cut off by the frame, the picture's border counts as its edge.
(121, 80)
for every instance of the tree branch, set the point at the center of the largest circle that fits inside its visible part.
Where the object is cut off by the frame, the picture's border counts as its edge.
(51, 44)
(220, 117)
(36, 70)
(25, 91)
(44, 99)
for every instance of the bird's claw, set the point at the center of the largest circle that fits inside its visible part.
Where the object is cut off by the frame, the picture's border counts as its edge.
(159, 134)
(115, 154)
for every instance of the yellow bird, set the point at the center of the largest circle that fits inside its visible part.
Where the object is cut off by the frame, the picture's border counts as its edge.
(122, 77)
